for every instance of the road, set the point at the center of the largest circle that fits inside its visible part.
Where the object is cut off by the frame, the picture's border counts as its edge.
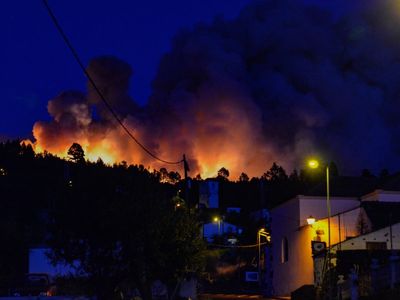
(237, 297)
(43, 298)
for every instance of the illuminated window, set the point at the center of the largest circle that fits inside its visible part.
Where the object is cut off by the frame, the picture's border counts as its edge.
(284, 250)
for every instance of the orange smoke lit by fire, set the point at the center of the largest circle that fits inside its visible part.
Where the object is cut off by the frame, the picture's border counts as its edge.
(207, 161)
(212, 143)
(93, 152)
(218, 125)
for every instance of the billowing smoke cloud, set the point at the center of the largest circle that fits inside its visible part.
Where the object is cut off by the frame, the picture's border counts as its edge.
(71, 117)
(281, 81)
(112, 79)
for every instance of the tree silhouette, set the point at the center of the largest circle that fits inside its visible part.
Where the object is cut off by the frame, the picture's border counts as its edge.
(174, 177)
(243, 177)
(367, 173)
(76, 153)
(223, 174)
(275, 173)
(163, 173)
(294, 176)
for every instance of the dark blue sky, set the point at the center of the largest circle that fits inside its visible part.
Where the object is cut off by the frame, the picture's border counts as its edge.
(36, 65)
(298, 72)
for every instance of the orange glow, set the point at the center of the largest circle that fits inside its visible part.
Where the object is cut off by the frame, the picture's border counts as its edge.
(220, 133)
(320, 231)
(101, 151)
(210, 153)
(208, 162)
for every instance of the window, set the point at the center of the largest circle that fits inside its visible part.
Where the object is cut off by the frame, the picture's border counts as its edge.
(376, 246)
(284, 250)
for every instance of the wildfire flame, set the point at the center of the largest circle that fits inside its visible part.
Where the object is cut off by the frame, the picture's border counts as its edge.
(211, 148)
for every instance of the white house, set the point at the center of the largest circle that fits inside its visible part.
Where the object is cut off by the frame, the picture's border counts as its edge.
(354, 224)
(291, 239)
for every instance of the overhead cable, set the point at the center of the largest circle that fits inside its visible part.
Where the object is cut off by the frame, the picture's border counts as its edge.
(238, 246)
(93, 83)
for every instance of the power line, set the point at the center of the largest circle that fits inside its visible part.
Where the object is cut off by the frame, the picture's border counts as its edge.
(238, 246)
(114, 114)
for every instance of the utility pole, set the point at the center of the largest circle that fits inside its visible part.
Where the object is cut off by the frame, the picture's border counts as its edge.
(328, 204)
(186, 170)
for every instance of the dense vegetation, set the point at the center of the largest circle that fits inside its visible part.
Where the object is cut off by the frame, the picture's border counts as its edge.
(124, 223)
(113, 223)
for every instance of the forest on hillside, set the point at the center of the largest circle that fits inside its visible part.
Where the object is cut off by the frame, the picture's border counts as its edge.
(126, 222)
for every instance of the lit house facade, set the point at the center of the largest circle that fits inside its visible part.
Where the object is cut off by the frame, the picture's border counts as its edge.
(355, 224)
(291, 237)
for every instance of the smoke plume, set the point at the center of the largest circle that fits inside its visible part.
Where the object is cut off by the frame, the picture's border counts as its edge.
(282, 81)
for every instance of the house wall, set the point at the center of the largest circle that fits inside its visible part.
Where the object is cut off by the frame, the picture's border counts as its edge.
(298, 269)
(285, 224)
(289, 220)
(383, 196)
(342, 226)
(389, 196)
(382, 235)
(348, 224)
(317, 207)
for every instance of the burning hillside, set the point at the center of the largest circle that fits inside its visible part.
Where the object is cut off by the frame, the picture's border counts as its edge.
(281, 81)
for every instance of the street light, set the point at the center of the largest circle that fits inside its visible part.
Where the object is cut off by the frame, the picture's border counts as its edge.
(261, 232)
(178, 201)
(314, 164)
(310, 220)
(218, 220)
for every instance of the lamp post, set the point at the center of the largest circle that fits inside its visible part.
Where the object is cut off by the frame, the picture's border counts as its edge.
(218, 220)
(261, 233)
(314, 164)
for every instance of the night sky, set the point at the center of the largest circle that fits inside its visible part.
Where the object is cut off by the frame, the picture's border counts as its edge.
(229, 83)
(36, 65)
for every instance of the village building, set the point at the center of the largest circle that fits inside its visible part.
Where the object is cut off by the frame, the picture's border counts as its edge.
(368, 222)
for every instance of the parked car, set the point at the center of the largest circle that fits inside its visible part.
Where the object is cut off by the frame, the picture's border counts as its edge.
(36, 284)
